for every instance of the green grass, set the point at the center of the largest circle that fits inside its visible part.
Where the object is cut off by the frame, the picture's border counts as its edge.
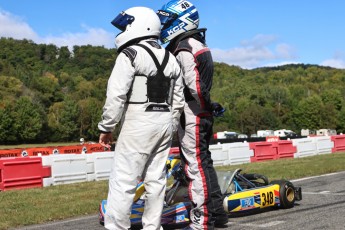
(37, 145)
(39, 205)
(34, 206)
(291, 168)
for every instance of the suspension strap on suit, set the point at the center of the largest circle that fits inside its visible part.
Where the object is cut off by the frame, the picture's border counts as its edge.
(158, 87)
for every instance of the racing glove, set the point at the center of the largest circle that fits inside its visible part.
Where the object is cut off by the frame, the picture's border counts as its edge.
(217, 109)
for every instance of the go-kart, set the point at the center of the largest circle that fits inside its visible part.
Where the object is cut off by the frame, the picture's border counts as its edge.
(242, 193)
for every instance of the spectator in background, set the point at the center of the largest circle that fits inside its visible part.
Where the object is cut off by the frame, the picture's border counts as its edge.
(81, 141)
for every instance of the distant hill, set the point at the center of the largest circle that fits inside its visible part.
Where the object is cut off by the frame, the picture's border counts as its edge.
(50, 93)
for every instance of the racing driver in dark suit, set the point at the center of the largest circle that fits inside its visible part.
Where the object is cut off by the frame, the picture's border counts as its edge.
(180, 20)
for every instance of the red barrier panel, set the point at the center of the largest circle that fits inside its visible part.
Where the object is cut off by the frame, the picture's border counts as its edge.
(34, 152)
(263, 151)
(174, 150)
(45, 151)
(77, 149)
(285, 149)
(73, 149)
(272, 138)
(22, 172)
(339, 143)
(95, 148)
(5, 153)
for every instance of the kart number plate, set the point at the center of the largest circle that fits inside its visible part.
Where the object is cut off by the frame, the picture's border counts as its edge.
(267, 198)
(247, 203)
(180, 218)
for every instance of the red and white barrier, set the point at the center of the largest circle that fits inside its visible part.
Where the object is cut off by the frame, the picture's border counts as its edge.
(63, 166)
(305, 147)
(21, 173)
(339, 143)
(285, 149)
(51, 150)
(263, 151)
(66, 169)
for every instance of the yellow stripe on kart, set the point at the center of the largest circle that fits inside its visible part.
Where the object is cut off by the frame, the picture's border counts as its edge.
(253, 198)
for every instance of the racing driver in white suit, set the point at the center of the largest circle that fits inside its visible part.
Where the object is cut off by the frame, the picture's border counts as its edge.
(145, 92)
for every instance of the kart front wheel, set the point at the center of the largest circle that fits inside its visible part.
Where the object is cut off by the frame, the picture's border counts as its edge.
(286, 193)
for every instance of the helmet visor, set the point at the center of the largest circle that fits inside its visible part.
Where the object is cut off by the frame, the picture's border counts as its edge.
(166, 18)
(122, 21)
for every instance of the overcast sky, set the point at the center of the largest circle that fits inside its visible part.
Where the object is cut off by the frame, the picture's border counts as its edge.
(246, 33)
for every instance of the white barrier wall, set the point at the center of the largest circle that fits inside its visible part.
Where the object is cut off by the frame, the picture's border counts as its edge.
(239, 153)
(324, 144)
(219, 156)
(99, 165)
(65, 169)
(231, 153)
(305, 147)
(72, 168)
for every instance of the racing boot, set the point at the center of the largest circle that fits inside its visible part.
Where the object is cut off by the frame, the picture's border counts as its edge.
(220, 220)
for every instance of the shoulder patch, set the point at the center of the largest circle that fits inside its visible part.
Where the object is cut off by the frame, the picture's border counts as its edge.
(130, 53)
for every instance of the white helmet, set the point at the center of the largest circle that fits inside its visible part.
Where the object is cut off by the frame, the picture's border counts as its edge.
(136, 23)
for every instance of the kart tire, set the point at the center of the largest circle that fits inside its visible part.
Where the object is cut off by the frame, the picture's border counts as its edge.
(286, 193)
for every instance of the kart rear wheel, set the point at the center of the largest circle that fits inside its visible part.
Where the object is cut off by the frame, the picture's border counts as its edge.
(286, 193)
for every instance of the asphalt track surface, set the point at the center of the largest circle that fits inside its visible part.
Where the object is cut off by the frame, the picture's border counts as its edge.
(322, 207)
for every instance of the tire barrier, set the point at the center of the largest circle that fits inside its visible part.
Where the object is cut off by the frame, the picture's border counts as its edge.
(22, 173)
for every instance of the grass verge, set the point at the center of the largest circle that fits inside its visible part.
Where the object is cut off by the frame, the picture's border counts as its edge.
(39, 205)
(25, 146)
(35, 206)
(293, 168)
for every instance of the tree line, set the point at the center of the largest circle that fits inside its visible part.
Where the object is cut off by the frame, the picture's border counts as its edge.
(53, 94)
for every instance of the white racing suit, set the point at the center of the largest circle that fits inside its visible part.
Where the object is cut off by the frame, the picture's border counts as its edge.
(195, 130)
(148, 122)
